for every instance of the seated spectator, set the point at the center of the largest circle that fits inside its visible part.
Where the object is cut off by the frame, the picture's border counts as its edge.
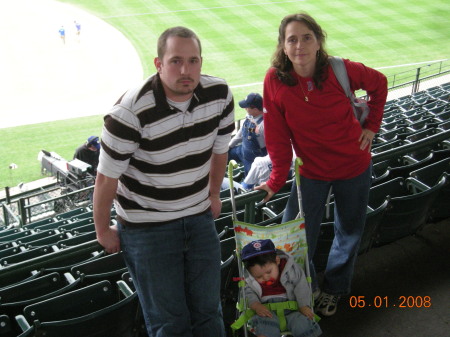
(260, 172)
(248, 143)
(89, 153)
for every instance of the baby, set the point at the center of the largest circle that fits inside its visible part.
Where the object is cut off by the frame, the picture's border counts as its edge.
(273, 276)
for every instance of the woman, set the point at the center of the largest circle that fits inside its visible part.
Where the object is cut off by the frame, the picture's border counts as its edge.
(306, 106)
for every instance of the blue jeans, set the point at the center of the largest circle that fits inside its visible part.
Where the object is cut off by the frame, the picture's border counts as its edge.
(351, 198)
(298, 324)
(175, 268)
(245, 155)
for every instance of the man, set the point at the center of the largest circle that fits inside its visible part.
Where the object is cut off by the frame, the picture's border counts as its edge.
(89, 153)
(163, 158)
(248, 143)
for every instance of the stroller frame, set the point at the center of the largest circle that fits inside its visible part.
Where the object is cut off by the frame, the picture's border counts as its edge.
(289, 236)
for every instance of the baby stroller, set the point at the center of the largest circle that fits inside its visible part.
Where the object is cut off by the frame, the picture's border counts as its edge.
(289, 237)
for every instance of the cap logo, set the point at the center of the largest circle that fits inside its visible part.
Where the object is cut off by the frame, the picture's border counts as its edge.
(257, 245)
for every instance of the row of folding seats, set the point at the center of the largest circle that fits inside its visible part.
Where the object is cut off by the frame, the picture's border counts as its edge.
(421, 98)
(398, 207)
(93, 298)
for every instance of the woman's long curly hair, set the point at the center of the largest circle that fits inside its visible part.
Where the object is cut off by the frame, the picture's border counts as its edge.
(282, 63)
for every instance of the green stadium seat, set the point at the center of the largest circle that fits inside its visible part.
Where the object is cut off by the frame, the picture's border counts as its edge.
(399, 167)
(36, 236)
(409, 204)
(72, 260)
(74, 224)
(77, 240)
(25, 255)
(71, 213)
(38, 223)
(16, 297)
(109, 267)
(19, 277)
(94, 310)
(87, 228)
(48, 226)
(389, 146)
(16, 236)
(47, 240)
(11, 251)
(87, 214)
(227, 248)
(6, 328)
(430, 176)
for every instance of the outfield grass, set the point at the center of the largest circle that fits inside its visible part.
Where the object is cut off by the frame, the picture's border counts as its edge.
(238, 39)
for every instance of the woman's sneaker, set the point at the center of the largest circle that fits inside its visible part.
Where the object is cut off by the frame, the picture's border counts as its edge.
(327, 304)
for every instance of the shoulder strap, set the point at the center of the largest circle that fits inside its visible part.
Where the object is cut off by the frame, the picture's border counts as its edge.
(337, 63)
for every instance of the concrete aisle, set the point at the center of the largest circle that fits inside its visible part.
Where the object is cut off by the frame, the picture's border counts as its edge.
(413, 267)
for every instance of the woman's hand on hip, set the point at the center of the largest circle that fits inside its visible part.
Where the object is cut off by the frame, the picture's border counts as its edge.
(365, 140)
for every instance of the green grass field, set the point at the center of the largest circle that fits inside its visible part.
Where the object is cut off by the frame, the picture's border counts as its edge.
(238, 39)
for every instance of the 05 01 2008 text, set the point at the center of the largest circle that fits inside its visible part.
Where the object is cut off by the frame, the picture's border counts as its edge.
(386, 302)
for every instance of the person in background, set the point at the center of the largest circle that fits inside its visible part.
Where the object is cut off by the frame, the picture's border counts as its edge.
(78, 29)
(248, 143)
(260, 172)
(89, 153)
(163, 159)
(62, 34)
(307, 108)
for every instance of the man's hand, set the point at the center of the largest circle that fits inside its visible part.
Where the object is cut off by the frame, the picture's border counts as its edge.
(216, 205)
(109, 239)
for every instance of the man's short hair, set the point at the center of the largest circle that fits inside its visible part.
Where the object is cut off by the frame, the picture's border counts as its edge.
(175, 31)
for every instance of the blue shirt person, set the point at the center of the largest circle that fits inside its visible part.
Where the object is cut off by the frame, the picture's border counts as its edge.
(249, 143)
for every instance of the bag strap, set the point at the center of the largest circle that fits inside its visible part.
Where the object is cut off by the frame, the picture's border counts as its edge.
(337, 63)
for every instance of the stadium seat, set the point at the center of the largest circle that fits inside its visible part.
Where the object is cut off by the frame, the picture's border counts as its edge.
(16, 236)
(109, 267)
(46, 240)
(64, 265)
(408, 209)
(71, 213)
(6, 328)
(11, 251)
(94, 310)
(399, 167)
(227, 248)
(36, 236)
(38, 223)
(87, 214)
(48, 226)
(77, 239)
(25, 255)
(430, 176)
(87, 228)
(389, 146)
(76, 223)
(16, 297)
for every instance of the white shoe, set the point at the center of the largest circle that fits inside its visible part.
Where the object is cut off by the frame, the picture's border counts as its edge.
(327, 304)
